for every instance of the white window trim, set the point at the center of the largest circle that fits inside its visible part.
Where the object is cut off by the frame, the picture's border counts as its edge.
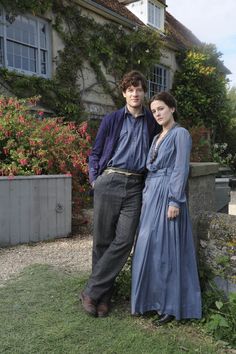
(38, 48)
(160, 25)
(160, 86)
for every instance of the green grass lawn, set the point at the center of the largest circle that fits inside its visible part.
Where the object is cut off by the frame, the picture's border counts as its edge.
(40, 313)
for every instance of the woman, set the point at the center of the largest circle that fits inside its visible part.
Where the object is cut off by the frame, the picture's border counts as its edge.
(164, 270)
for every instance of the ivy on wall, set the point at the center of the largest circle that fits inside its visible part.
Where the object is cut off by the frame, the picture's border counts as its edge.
(31, 6)
(107, 48)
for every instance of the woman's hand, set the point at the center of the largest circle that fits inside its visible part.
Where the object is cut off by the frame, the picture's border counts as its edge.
(172, 212)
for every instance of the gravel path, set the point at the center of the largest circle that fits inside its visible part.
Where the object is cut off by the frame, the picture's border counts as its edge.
(70, 254)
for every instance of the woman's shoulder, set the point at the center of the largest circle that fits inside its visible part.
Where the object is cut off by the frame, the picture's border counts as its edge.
(181, 130)
(182, 135)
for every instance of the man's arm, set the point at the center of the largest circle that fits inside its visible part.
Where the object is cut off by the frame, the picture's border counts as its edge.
(97, 151)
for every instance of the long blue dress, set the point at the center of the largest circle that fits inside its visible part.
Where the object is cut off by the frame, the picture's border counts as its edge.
(164, 268)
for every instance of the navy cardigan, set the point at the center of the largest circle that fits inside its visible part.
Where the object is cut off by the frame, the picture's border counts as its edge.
(107, 138)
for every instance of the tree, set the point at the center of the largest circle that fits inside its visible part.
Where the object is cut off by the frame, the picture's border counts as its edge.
(201, 89)
(232, 99)
(229, 133)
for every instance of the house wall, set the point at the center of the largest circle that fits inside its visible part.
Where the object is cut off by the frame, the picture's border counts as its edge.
(168, 59)
(96, 102)
(57, 45)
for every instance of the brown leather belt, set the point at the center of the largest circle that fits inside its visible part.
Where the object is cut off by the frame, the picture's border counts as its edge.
(123, 172)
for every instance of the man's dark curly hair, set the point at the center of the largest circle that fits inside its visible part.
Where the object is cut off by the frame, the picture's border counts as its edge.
(133, 78)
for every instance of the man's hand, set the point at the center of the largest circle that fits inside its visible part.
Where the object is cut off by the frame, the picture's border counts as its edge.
(172, 212)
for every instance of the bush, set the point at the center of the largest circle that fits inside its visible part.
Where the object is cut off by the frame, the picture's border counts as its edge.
(220, 314)
(219, 309)
(201, 90)
(31, 144)
(222, 155)
(201, 144)
(123, 281)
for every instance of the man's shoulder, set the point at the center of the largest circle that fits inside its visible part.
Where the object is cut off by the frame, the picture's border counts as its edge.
(114, 117)
(117, 113)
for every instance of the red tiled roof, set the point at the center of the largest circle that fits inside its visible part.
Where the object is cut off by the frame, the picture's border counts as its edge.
(176, 33)
(120, 9)
(182, 38)
(130, 1)
(179, 35)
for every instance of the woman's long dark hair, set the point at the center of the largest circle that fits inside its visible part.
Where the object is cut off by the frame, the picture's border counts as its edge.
(168, 99)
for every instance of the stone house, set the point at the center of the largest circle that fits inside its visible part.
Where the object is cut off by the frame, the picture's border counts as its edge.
(29, 45)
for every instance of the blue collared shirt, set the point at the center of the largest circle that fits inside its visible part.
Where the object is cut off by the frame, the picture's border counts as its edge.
(133, 144)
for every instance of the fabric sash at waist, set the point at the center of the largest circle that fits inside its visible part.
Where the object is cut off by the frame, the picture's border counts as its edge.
(160, 172)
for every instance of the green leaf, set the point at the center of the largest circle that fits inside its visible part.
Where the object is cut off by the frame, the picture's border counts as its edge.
(219, 304)
(217, 321)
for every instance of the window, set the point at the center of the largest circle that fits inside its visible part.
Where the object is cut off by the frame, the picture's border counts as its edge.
(154, 14)
(159, 80)
(24, 44)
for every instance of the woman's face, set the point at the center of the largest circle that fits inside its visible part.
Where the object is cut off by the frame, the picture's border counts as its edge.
(162, 113)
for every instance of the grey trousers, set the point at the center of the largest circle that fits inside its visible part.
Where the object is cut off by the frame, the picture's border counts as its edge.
(117, 205)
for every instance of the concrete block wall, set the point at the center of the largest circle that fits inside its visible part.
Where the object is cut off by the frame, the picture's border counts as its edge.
(34, 208)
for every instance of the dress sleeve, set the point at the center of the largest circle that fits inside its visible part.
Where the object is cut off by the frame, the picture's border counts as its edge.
(179, 176)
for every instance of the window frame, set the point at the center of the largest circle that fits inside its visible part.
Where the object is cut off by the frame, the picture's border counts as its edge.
(164, 84)
(154, 6)
(37, 47)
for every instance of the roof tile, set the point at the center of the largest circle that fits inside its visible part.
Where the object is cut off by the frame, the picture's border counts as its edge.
(178, 34)
(117, 7)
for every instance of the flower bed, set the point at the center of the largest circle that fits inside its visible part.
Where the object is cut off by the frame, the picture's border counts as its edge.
(31, 144)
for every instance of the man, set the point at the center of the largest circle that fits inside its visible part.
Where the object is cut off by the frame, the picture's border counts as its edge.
(116, 172)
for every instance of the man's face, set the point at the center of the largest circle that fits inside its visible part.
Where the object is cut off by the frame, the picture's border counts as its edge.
(134, 96)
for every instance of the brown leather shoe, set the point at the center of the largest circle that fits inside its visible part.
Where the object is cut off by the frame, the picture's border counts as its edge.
(103, 309)
(88, 304)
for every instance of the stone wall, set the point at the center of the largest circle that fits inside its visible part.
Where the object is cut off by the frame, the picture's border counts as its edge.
(217, 247)
(214, 233)
(201, 191)
(4, 89)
